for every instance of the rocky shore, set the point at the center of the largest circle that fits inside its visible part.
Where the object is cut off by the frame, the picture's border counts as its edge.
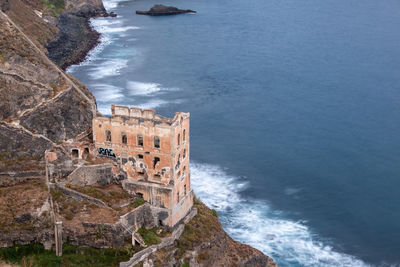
(76, 36)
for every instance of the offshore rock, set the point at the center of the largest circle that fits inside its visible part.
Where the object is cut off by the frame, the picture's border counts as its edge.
(164, 10)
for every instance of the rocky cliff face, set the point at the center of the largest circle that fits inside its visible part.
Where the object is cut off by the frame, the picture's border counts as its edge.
(205, 243)
(39, 104)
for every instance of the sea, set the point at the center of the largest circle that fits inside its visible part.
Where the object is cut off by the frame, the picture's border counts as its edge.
(295, 115)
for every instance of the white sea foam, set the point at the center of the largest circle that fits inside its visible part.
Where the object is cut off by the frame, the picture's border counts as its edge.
(253, 222)
(107, 92)
(141, 88)
(111, 4)
(155, 103)
(110, 29)
(111, 67)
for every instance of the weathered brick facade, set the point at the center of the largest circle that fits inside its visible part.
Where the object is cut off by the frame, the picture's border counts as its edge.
(154, 151)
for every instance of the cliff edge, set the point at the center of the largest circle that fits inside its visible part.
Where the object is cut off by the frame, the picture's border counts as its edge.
(42, 108)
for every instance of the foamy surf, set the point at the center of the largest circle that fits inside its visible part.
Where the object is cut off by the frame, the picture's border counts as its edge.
(110, 67)
(155, 103)
(111, 4)
(253, 222)
(145, 89)
(107, 92)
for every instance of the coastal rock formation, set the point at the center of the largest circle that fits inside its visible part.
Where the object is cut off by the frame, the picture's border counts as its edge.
(34, 91)
(164, 10)
(205, 243)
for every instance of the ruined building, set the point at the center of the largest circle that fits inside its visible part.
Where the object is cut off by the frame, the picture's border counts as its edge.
(154, 152)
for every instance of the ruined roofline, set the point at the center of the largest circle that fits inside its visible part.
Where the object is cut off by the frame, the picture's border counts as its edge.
(145, 114)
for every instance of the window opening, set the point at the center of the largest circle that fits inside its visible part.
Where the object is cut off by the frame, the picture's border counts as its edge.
(124, 139)
(140, 140)
(75, 153)
(155, 161)
(156, 142)
(108, 136)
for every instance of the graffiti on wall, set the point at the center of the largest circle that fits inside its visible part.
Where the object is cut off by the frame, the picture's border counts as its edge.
(106, 152)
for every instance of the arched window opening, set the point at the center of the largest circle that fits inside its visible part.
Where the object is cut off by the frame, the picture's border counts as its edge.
(157, 142)
(184, 190)
(177, 196)
(179, 139)
(108, 136)
(124, 139)
(75, 153)
(184, 135)
(140, 156)
(184, 153)
(140, 140)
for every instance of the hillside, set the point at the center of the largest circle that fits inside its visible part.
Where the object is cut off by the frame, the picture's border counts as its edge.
(42, 108)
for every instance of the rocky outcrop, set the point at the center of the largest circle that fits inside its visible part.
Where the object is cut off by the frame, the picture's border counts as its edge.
(39, 104)
(85, 8)
(205, 243)
(75, 40)
(20, 149)
(157, 10)
(61, 119)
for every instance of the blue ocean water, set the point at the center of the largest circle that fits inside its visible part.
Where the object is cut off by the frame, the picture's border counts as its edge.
(295, 111)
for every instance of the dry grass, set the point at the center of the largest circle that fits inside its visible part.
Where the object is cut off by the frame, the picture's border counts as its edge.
(21, 199)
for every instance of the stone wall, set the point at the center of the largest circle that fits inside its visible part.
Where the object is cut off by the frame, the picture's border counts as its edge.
(94, 174)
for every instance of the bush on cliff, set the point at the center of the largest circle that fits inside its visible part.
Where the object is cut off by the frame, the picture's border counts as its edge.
(36, 255)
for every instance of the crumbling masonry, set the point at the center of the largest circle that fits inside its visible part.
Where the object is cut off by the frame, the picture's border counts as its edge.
(154, 152)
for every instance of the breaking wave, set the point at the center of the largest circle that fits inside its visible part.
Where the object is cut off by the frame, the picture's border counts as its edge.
(253, 222)
(111, 4)
(145, 89)
(111, 67)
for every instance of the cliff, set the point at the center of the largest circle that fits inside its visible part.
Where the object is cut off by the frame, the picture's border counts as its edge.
(44, 109)
(205, 243)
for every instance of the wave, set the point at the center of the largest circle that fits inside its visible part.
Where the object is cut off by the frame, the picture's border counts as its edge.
(146, 89)
(111, 4)
(155, 103)
(110, 67)
(290, 243)
(107, 92)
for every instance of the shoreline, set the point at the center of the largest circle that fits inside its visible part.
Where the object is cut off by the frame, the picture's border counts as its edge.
(77, 37)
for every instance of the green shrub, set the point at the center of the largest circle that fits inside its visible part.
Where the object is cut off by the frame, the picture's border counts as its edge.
(149, 236)
(214, 212)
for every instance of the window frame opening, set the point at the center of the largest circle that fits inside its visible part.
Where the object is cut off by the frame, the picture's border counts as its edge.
(124, 139)
(155, 161)
(75, 153)
(140, 140)
(108, 136)
(157, 142)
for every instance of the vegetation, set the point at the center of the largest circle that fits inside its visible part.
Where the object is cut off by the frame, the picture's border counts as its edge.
(150, 237)
(200, 229)
(36, 255)
(138, 202)
(110, 197)
(55, 7)
(214, 212)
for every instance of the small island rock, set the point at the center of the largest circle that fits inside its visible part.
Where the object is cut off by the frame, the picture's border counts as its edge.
(164, 10)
